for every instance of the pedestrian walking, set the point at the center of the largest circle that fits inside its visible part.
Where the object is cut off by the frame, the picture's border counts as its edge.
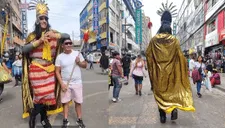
(126, 61)
(40, 90)
(17, 69)
(117, 74)
(191, 65)
(91, 60)
(69, 77)
(137, 72)
(199, 74)
(168, 71)
(104, 63)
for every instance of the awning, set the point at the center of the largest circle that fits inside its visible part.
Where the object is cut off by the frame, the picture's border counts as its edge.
(18, 41)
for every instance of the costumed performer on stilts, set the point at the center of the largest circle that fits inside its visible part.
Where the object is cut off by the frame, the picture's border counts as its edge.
(40, 92)
(168, 70)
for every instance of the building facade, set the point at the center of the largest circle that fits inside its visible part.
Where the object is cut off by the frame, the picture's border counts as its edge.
(122, 26)
(146, 36)
(16, 26)
(94, 18)
(200, 27)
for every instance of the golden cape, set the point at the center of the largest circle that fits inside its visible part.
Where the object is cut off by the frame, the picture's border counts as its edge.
(27, 89)
(168, 73)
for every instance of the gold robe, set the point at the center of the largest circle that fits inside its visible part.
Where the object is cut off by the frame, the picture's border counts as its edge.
(168, 73)
(27, 92)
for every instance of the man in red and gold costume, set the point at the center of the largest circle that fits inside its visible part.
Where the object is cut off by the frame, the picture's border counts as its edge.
(40, 92)
(168, 71)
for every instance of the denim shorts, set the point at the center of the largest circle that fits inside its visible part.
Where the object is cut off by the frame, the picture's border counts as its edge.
(137, 79)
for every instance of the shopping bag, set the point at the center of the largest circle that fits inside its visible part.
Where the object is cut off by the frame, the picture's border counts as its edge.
(208, 84)
(5, 76)
(122, 80)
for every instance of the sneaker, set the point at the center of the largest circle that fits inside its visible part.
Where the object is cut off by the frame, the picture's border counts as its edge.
(65, 123)
(46, 124)
(199, 95)
(136, 93)
(118, 100)
(80, 123)
(114, 99)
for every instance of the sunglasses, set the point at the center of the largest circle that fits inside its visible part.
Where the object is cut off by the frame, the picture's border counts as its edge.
(68, 43)
(43, 18)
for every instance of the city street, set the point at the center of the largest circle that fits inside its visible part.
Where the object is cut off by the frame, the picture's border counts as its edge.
(94, 107)
(142, 112)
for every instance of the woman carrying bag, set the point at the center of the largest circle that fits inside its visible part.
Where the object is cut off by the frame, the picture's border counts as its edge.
(198, 74)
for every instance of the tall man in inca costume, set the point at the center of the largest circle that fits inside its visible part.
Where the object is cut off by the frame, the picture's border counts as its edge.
(168, 71)
(40, 92)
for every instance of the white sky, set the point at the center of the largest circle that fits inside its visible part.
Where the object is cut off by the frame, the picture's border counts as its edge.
(150, 8)
(64, 14)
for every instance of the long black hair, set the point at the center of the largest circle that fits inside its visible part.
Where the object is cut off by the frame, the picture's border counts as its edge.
(165, 28)
(38, 31)
(166, 20)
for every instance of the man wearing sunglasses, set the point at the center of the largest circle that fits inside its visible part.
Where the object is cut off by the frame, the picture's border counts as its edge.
(40, 90)
(68, 73)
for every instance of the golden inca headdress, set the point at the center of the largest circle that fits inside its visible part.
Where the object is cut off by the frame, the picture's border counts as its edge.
(41, 8)
(167, 12)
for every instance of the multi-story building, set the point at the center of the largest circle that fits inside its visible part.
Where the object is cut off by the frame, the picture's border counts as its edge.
(122, 26)
(190, 30)
(146, 35)
(16, 25)
(200, 26)
(94, 18)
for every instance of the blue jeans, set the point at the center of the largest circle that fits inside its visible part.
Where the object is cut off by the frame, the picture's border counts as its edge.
(117, 86)
(199, 85)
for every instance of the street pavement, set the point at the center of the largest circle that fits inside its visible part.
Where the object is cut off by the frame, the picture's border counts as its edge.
(94, 108)
(142, 112)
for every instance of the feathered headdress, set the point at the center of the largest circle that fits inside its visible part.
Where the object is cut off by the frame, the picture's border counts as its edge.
(167, 13)
(41, 8)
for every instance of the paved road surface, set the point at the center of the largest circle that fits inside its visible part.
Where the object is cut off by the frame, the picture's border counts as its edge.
(141, 112)
(94, 107)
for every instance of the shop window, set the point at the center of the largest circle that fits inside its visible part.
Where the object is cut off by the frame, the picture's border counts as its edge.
(212, 26)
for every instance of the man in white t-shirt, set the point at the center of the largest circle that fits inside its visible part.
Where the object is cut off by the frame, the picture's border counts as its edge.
(71, 88)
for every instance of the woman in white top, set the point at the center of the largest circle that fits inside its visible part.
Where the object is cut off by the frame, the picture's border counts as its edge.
(137, 72)
(17, 69)
(200, 66)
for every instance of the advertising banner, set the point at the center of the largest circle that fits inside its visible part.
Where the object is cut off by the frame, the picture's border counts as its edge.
(138, 28)
(96, 21)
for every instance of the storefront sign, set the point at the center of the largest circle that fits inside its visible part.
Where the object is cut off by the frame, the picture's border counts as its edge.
(211, 39)
(138, 29)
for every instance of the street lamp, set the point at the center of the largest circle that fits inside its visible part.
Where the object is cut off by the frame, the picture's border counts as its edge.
(125, 25)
